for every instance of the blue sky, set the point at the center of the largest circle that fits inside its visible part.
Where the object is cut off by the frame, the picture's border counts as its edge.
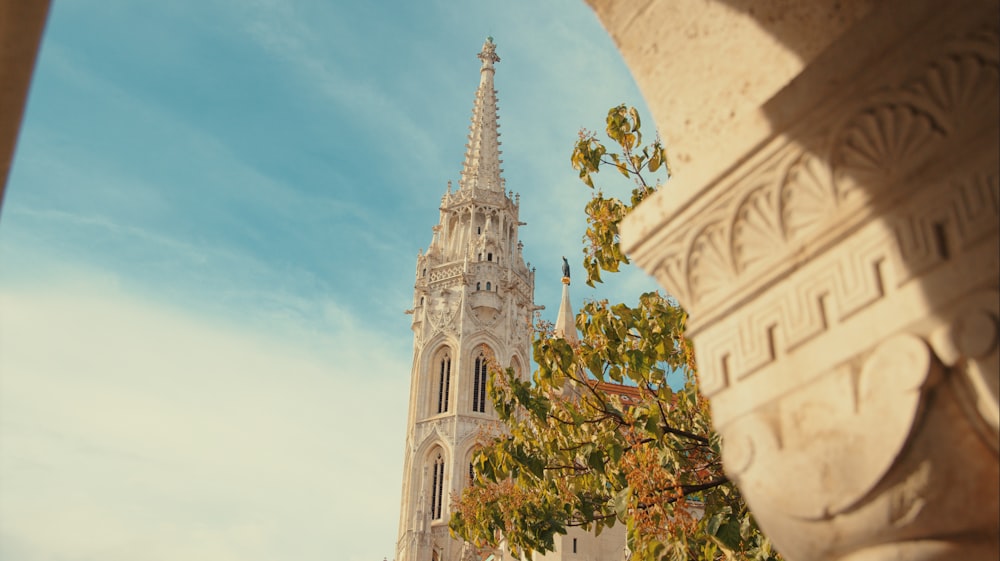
(208, 242)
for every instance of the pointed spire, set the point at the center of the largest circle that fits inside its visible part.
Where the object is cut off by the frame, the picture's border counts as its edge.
(566, 318)
(482, 155)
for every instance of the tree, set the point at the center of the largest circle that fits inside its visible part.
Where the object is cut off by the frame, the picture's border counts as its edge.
(577, 446)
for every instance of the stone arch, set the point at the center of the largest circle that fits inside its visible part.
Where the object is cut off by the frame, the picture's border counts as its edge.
(479, 357)
(432, 393)
(436, 476)
(517, 363)
(470, 447)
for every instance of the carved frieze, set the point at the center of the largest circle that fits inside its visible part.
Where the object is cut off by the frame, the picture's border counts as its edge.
(766, 210)
(789, 202)
(843, 281)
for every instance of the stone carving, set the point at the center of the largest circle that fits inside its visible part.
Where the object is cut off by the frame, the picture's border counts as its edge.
(708, 262)
(845, 282)
(820, 431)
(968, 344)
(875, 146)
(795, 194)
(842, 272)
(962, 78)
(443, 315)
(879, 145)
(757, 229)
(449, 272)
(806, 196)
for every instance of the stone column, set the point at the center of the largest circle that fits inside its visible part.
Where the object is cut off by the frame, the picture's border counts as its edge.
(21, 25)
(832, 228)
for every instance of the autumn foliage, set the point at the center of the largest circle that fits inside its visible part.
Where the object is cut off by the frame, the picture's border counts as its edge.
(612, 430)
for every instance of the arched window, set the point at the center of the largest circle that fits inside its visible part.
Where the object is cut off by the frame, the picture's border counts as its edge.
(424, 273)
(478, 286)
(444, 384)
(421, 300)
(437, 487)
(479, 382)
(487, 285)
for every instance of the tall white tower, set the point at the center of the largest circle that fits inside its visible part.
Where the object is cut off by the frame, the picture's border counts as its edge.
(473, 299)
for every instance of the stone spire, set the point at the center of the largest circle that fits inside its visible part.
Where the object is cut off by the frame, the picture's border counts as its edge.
(481, 169)
(473, 298)
(566, 319)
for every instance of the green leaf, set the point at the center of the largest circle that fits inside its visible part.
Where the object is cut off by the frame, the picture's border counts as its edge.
(621, 503)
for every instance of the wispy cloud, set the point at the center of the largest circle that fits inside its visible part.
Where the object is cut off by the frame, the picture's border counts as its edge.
(207, 245)
(133, 429)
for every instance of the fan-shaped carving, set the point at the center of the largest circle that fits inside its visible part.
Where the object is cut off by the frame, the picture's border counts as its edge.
(959, 85)
(881, 144)
(670, 272)
(756, 229)
(963, 83)
(807, 196)
(708, 262)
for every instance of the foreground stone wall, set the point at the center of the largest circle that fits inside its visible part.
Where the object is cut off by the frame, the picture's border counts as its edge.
(832, 228)
(21, 24)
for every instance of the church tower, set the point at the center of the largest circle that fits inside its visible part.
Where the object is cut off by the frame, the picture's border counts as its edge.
(472, 301)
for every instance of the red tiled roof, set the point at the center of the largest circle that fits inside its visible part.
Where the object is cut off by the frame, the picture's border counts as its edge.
(628, 394)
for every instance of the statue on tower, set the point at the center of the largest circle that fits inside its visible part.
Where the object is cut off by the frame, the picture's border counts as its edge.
(565, 270)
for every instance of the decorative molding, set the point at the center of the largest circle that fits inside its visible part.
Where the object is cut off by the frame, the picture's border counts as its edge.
(790, 202)
(869, 266)
(790, 194)
(853, 422)
(969, 343)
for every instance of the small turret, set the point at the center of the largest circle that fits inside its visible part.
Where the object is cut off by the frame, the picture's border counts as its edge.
(566, 318)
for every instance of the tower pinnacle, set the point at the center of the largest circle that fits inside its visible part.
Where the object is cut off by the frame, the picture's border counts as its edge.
(481, 169)
(565, 320)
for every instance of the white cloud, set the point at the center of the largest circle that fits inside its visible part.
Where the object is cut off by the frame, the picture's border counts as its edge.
(131, 430)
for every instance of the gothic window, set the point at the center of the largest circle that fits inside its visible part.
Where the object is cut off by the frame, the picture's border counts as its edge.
(487, 285)
(421, 300)
(437, 487)
(478, 286)
(444, 384)
(479, 382)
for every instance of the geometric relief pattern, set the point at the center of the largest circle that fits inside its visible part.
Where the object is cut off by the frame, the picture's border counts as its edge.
(446, 273)
(873, 262)
(789, 196)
